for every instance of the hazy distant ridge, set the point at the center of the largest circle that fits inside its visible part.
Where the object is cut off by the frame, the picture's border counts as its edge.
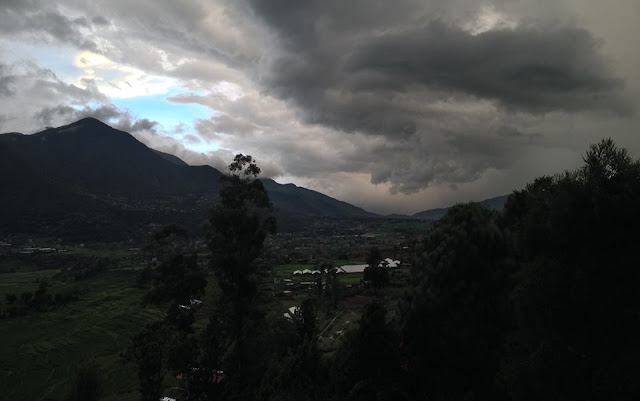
(496, 203)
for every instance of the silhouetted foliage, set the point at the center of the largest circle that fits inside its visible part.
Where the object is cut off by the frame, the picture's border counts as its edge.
(237, 227)
(376, 271)
(175, 275)
(40, 300)
(368, 365)
(146, 350)
(538, 302)
(87, 385)
(576, 299)
(456, 316)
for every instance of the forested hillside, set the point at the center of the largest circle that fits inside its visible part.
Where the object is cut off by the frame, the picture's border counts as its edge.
(537, 302)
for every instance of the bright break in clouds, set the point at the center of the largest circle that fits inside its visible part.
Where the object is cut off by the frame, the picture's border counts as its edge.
(394, 106)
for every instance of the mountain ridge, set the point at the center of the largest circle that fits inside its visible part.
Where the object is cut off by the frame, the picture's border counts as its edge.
(89, 174)
(495, 203)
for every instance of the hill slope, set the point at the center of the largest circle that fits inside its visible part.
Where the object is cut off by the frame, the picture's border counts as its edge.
(496, 203)
(88, 179)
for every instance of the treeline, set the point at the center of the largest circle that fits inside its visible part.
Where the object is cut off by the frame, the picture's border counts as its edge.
(538, 302)
(39, 300)
(68, 263)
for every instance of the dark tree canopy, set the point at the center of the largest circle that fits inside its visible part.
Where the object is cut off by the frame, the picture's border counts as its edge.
(455, 317)
(576, 297)
(175, 274)
(237, 228)
(376, 270)
(537, 302)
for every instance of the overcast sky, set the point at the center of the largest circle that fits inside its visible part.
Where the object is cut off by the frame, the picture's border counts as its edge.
(394, 106)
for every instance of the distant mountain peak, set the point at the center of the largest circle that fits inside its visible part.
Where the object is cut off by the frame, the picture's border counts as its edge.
(89, 122)
(73, 176)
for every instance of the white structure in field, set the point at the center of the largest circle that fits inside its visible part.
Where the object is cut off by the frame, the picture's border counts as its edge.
(292, 312)
(392, 263)
(388, 262)
(352, 268)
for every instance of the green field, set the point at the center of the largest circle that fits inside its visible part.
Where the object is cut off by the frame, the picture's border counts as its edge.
(16, 283)
(39, 352)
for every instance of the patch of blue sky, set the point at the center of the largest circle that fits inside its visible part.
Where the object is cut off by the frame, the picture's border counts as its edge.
(175, 119)
(166, 113)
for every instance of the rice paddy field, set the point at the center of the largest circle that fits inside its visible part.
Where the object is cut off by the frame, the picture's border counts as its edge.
(40, 351)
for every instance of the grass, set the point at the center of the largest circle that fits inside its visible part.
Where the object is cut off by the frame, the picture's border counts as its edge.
(18, 282)
(39, 352)
(101, 252)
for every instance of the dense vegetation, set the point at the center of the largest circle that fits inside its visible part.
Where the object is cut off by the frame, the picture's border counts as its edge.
(537, 302)
(534, 302)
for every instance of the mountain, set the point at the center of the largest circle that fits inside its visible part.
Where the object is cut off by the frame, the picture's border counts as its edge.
(89, 180)
(496, 203)
(302, 201)
(169, 157)
(431, 214)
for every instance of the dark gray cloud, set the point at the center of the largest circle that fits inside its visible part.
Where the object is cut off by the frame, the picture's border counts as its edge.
(437, 92)
(533, 69)
(18, 18)
(100, 20)
(428, 100)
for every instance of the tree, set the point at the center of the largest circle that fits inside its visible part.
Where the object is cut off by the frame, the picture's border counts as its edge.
(376, 271)
(177, 276)
(237, 227)
(576, 299)
(328, 282)
(305, 318)
(456, 316)
(367, 364)
(146, 350)
(87, 386)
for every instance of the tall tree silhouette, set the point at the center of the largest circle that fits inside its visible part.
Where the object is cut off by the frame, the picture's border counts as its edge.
(237, 227)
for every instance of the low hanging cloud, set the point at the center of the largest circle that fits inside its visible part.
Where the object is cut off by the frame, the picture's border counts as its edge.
(35, 97)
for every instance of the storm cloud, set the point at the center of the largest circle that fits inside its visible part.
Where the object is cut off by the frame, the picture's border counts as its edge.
(395, 106)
